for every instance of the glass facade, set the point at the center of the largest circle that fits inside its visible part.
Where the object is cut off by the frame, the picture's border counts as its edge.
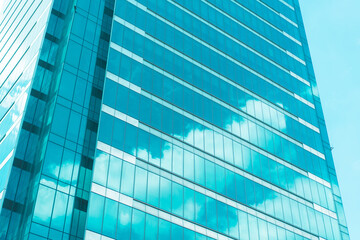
(171, 119)
(49, 182)
(22, 29)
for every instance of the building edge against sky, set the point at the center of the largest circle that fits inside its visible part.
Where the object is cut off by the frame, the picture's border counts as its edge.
(210, 123)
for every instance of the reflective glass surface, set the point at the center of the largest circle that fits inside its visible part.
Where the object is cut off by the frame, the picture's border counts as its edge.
(162, 119)
(22, 32)
(210, 114)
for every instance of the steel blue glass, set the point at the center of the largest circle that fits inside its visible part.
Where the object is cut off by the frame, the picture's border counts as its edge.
(159, 119)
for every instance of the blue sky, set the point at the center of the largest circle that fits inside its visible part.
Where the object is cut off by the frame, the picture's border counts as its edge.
(333, 31)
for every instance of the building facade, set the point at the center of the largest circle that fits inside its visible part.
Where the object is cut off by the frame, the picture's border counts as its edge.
(163, 119)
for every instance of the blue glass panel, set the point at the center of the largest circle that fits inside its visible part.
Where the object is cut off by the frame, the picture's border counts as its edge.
(138, 224)
(124, 222)
(96, 212)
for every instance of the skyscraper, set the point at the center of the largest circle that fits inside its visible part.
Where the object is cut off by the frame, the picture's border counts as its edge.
(162, 119)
